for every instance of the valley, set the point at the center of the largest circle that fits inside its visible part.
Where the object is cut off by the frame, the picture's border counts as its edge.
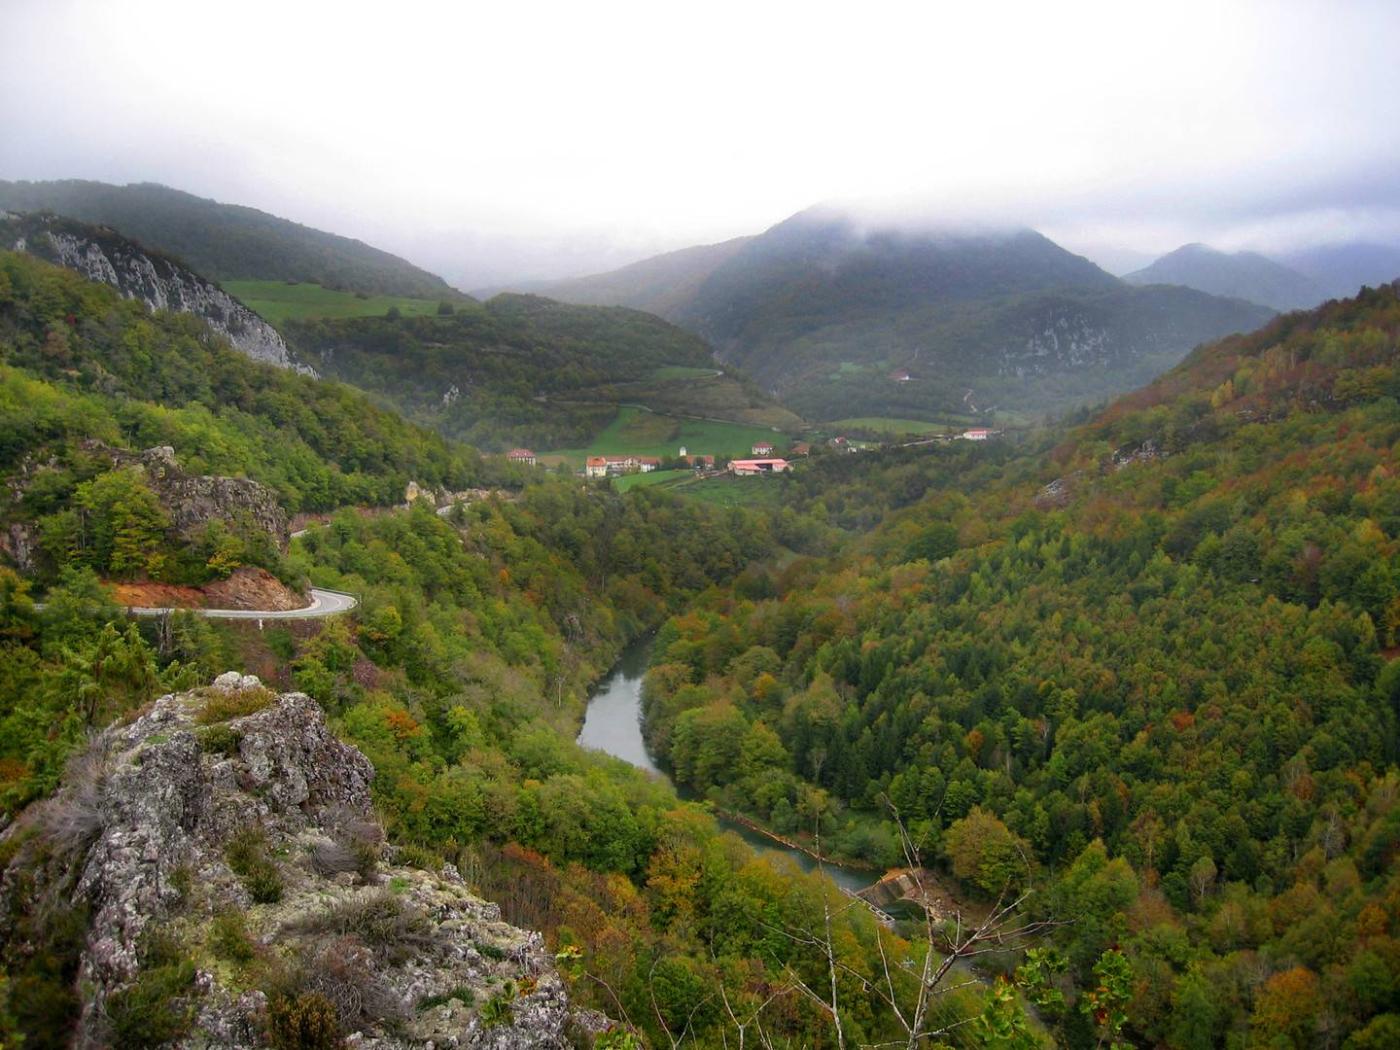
(1119, 684)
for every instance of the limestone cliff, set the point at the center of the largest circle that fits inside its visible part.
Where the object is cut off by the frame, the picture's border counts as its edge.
(237, 893)
(101, 254)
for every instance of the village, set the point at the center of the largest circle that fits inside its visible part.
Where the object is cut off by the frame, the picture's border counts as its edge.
(762, 459)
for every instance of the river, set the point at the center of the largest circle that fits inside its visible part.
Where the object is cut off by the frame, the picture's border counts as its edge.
(613, 724)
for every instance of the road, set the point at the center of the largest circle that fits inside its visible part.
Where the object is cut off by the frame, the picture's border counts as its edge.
(323, 603)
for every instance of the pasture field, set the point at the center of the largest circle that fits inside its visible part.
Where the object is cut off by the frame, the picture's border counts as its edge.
(729, 491)
(887, 425)
(656, 477)
(278, 301)
(683, 372)
(635, 431)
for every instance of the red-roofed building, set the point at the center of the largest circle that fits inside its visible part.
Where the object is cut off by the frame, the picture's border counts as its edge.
(608, 466)
(763, 448)
(749, 467)
(521, 455)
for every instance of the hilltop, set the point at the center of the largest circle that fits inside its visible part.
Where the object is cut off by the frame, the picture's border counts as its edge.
(838, 319)
(1238, 275)
(227, 241)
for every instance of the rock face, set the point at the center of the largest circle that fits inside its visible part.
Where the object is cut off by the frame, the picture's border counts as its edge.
(100, 254)
(193, 500)
(228, 825)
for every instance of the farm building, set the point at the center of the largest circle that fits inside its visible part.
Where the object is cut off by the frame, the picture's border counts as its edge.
(977, 434)
(763, 448)
(749, 467)
(610, 466)
(521, 455)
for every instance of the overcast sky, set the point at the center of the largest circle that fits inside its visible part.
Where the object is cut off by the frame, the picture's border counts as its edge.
(520, 138)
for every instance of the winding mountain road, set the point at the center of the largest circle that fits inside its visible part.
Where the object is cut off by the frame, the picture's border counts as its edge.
(323, 603)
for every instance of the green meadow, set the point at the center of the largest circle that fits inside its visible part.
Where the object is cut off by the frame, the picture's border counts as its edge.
(888, 425)
(278, 301)
(683, 372)
(635, 431)
(730, 491)
(655, 477)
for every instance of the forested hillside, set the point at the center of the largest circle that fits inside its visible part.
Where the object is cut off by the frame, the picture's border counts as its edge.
(461, 675)
(517, 370)
(227, 241)
(1150, 671)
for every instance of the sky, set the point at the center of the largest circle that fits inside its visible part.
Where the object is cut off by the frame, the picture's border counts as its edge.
(507, 141)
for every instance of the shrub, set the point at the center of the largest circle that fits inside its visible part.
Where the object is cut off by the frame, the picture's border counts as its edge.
(497, 1010)
(229, 939)
(419, 857)
(490, 951)
(219, 740)
(220, 706)
(73, 819)
(152, 1009)
(379, 920)
(346, 974)
(461, 993)
(247, 858)
(306, 1022)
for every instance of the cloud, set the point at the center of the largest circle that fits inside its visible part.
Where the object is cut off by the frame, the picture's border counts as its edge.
(655, 125)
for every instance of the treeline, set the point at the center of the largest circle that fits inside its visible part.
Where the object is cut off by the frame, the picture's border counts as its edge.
(493, 374)
(1150, 672)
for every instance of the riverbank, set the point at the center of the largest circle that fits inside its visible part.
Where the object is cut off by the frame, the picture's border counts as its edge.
(731, 817)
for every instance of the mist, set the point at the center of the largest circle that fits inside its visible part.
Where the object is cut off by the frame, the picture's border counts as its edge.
(536, 140)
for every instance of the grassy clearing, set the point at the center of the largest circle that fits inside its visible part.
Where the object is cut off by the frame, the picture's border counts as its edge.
(637, 432)
(656, 477)
(682, 372)
(736, 492)
(887, 425)
(278, 301)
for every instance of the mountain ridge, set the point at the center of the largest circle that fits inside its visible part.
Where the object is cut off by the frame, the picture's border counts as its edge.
(841, 319)
(227, 241)
(1234, 275)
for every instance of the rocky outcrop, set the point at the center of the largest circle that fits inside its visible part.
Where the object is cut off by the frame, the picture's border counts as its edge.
(227, 827)
(101, 254)
(194, 500)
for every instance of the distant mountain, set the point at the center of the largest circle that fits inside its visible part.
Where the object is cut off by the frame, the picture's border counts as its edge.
(101, 254)
(839, 320)
(1238, 275)
(227, 241)
(1342, 269)
(659, 285)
